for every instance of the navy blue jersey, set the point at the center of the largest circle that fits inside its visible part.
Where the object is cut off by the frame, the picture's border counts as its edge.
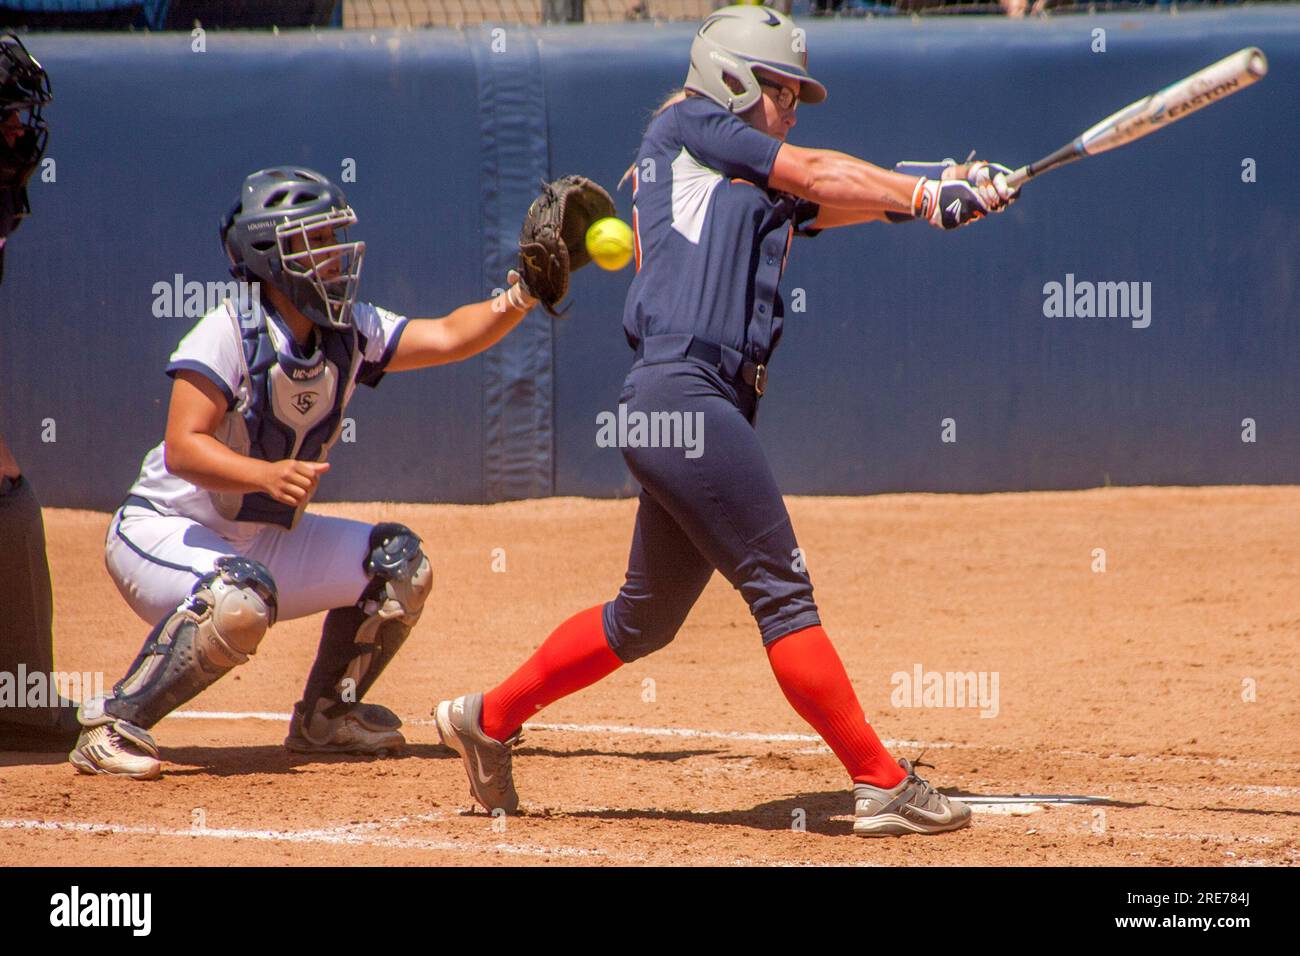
(711, 238)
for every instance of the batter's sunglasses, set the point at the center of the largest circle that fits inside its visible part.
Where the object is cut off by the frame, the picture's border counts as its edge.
(785, 97)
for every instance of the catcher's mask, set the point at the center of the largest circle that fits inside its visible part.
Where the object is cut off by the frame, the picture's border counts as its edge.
(735, 40)
(24, 91)
(289, 229)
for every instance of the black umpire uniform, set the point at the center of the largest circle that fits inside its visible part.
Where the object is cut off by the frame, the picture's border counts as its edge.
(26, 605)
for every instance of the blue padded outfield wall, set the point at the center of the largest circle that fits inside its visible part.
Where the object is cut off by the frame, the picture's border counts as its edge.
(903, 326)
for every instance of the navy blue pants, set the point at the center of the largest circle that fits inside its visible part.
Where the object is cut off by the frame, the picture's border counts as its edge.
(719, 510)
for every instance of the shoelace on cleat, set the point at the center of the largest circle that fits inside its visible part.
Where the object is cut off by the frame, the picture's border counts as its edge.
(122, 745)
(925, 790)
(499, 760)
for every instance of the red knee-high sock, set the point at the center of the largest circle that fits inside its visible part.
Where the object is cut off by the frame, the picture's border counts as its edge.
(813, 680)
(573, 657)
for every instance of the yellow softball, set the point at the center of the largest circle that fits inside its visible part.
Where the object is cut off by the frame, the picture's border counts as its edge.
(609, 241)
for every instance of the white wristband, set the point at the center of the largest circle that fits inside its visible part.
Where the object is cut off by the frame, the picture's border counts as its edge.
(916, 196)
(516, 297)
(513, 298)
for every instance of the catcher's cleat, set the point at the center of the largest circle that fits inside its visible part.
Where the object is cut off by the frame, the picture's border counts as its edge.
(115, 747)
(487, 761)
(911, 807)
(361, 729)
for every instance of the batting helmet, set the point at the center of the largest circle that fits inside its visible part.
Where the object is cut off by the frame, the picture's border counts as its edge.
(24, 90)
(284, 231)
(735, 40)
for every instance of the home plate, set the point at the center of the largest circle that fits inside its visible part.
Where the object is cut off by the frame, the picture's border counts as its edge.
(1020, 804)
(1007, 809)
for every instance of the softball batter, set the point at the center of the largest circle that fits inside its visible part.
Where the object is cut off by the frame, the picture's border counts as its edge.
(703, 314)
(213, 544)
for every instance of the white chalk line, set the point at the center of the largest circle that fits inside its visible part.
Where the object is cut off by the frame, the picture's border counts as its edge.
(228, 715)
(363, 834)
(369, 834)
(694, 733)
(352, 835)
(571, 728)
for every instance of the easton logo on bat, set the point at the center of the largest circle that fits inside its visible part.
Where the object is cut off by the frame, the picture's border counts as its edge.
(1209, 96)
(1146, 116)
(1217, 81)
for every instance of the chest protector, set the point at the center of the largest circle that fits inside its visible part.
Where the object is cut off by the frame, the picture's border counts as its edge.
(287, 405)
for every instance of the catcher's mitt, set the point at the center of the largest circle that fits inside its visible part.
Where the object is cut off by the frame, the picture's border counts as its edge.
(553, 242)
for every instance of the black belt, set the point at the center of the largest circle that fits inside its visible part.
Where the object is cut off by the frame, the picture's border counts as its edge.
(753, 374)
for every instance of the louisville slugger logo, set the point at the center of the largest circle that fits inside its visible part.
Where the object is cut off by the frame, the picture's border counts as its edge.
(301, 374)
(305, 401)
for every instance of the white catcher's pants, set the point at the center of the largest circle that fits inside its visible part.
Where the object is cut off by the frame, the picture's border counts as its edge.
(155, 560)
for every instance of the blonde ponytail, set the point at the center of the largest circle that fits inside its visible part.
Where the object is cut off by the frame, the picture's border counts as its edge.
(674, 97)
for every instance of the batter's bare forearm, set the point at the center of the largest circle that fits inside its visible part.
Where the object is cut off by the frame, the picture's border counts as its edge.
(204, 461)
(841, 181)
(829, 217)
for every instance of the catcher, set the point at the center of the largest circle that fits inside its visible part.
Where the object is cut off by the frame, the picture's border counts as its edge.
(213, 543)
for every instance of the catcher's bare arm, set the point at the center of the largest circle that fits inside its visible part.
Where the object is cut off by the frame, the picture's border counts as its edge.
(192, 452)
(461, 334)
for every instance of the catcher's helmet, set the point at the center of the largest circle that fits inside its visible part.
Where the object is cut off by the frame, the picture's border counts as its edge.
(735, 40)
(24, 91)
(285, 203)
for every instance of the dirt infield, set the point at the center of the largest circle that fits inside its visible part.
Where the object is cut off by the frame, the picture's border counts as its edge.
(1164, 689)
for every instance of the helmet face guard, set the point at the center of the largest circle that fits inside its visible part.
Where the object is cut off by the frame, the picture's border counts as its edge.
(22, 78)
(24, 90)
(284, 231)
(322, 279)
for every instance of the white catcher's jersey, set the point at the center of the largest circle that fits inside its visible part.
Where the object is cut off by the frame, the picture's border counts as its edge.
(283, 401)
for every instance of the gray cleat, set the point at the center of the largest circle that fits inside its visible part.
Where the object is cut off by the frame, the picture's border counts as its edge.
(487, 761)
(367, 729)
(911, 807)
